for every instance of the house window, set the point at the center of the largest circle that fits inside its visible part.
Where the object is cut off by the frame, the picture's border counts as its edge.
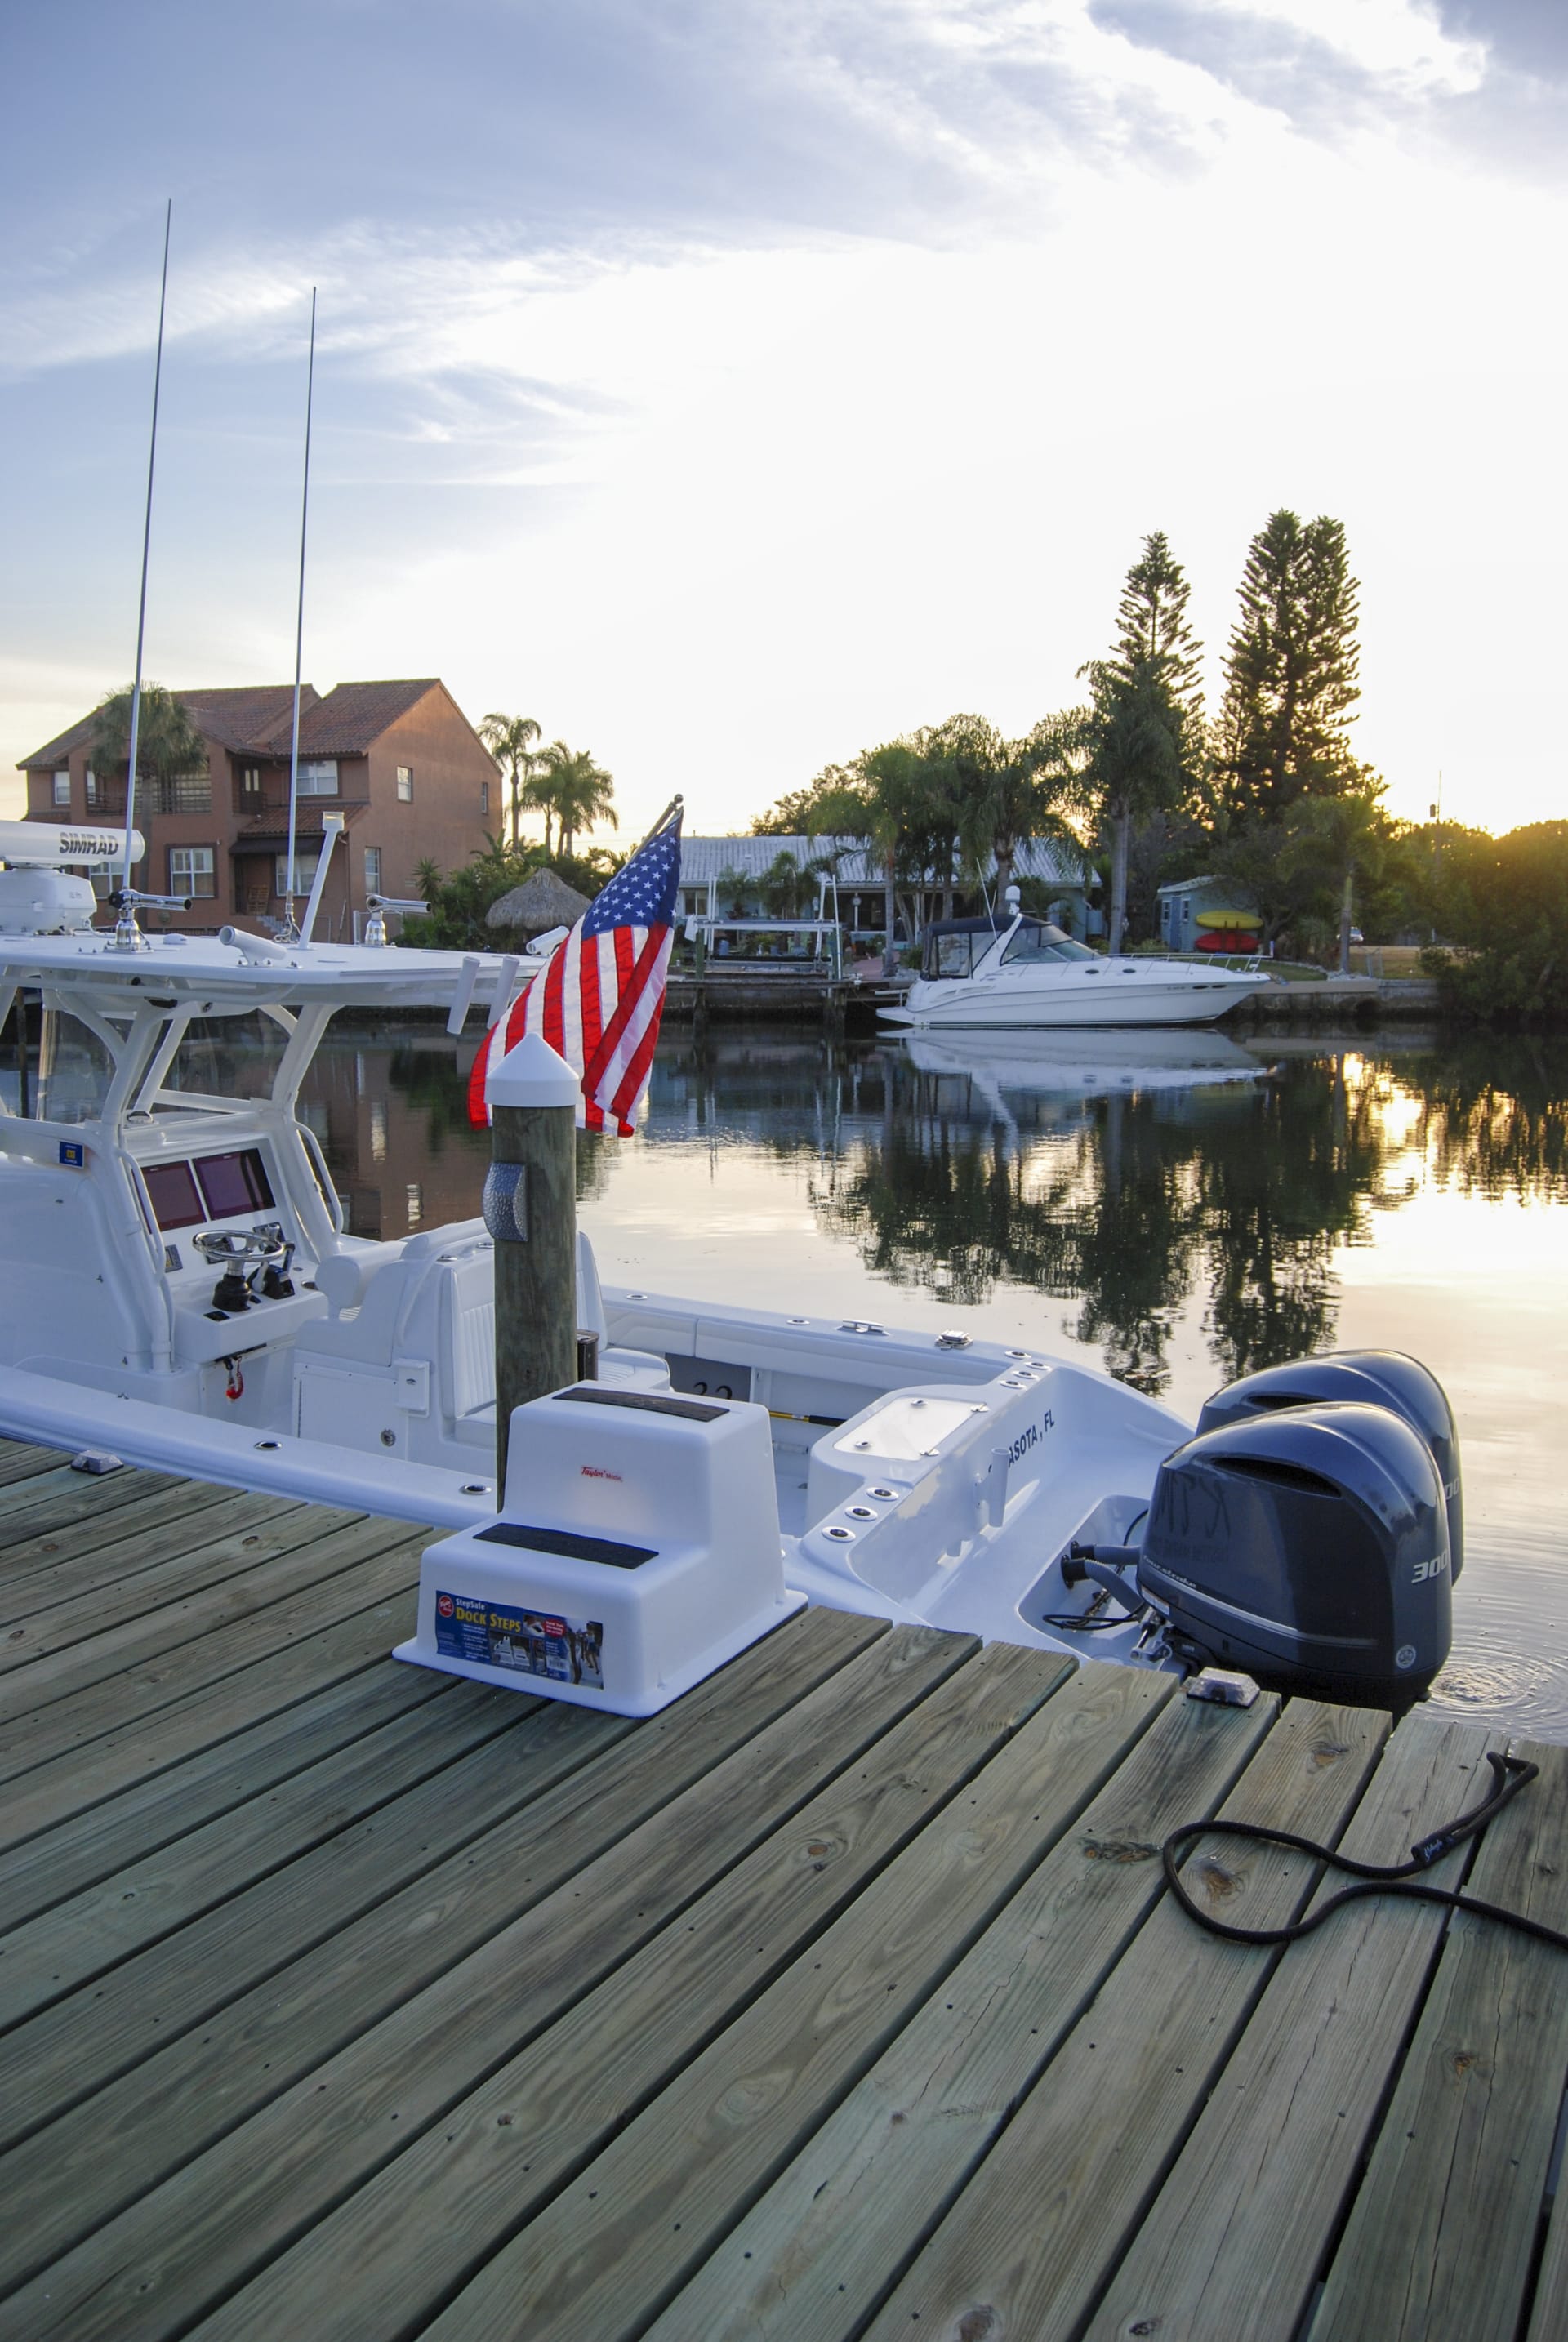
(63, 788)
(319, 779)
(304, 869)
(415, 1203)
(406, 785)
(483, 796)
(191, 870)
(250, 781)
(373, 869)
(92, 789)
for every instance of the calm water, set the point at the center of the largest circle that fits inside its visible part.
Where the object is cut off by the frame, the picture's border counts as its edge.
(1176, 1225)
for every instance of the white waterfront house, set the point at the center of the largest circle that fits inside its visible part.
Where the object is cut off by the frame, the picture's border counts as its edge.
(727, 879)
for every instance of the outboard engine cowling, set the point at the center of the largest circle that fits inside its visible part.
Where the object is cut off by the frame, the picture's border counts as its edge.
(1308, 1548)
(1379, 1377)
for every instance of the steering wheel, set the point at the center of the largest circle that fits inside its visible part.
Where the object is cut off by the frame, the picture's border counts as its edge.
(229, 1244)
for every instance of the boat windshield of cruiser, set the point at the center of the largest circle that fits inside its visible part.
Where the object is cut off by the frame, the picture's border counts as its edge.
(1020, 971)
(181, 1291)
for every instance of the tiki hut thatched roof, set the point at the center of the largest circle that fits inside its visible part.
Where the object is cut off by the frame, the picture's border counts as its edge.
(542, 901)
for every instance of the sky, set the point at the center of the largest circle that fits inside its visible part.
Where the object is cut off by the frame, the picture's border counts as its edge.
(731, 384)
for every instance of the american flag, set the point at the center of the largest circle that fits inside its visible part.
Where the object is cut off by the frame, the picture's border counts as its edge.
(599, 999)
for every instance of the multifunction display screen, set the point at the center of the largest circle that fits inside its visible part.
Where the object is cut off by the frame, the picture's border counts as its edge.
(213, 1187)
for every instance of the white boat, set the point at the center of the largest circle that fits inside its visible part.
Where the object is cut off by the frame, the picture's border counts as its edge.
(1019, 972)
(180, 1291)
(1082, 1061)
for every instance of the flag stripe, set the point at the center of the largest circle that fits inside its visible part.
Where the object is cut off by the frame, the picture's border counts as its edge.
(600, 1001)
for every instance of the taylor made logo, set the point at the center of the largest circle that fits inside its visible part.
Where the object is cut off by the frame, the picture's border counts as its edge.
(597, 1472)
(1030, 1437)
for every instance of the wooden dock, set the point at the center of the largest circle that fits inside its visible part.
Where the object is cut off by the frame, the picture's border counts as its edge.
(342, 2002)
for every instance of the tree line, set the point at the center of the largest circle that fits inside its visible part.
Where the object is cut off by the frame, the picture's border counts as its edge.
(1266, 788)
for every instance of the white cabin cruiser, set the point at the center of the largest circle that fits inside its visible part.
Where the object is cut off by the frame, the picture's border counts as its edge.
(1020, 972)
(180, 1291)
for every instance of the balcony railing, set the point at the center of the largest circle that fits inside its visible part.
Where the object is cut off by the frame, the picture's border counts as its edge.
(191, 795)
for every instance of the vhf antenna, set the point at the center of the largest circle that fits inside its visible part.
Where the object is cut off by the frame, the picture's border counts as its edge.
(126, 934)
(291, 930)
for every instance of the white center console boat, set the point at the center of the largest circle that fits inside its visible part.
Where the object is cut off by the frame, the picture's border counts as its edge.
(180, 1290)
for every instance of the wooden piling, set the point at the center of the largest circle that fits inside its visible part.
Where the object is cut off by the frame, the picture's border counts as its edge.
(531, 1211)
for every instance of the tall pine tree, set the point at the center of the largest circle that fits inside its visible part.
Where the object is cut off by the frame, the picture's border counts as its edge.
(1145, 719)
(1291, 672)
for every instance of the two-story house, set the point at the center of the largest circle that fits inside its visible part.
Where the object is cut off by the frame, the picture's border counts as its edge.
(399, 760)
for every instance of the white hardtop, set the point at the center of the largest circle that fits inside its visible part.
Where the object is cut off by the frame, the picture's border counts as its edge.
(252, 972)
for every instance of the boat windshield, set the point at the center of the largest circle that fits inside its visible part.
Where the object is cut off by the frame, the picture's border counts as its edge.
(1032, 940)
(73, 1072)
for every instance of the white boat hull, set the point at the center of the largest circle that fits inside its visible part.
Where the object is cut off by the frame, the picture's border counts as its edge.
(1112, 993)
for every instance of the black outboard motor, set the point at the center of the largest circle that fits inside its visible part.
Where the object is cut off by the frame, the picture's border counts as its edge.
(1382, 1379)
(1307, 1549)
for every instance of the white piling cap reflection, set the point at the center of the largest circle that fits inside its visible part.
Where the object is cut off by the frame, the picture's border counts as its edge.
(533, 1074)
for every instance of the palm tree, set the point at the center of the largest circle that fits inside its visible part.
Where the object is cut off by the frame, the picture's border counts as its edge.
(510, 740)
(581, 792)
(168, 745)
(1012, 790)
(1339, 839)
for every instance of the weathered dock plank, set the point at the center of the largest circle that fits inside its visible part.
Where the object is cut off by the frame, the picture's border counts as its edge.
(21, 1461)
(136, 1821)
(44, 1959)
(1235, 2240)
(1030, 2241)
(479, 1911)
(96, 1554)
(194, 1720)
(1440, 2239)
(178, 1605)
(843, 1999)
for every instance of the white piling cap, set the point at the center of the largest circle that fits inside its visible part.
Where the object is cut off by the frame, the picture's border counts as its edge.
(533, 1074)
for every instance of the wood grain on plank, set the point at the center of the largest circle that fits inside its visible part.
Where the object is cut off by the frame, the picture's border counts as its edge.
(95, 1556)
(662, 1989)
(602, 2256)
(371, 1554)
(145, 1745)
(815, 2254)
(21, 1461)
(59, 1501)
(190, 1550)
(62, 1861)
(173, 1616)
(1235, 2240)
(1029, 2242)
(49, 1958)
(737, 1733)
(1440, 2238)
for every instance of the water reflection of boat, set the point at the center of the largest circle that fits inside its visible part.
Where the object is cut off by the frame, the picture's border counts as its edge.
(1085, 1064)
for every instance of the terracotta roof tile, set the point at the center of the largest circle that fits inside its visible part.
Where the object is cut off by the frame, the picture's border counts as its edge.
(238, 718)
(349, 719)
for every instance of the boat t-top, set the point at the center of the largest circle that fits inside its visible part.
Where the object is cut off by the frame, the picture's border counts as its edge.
(1022, 972)
(181, 1291)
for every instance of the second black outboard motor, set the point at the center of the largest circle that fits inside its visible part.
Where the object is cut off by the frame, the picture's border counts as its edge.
(1379, 1378)
(1307, 1549)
